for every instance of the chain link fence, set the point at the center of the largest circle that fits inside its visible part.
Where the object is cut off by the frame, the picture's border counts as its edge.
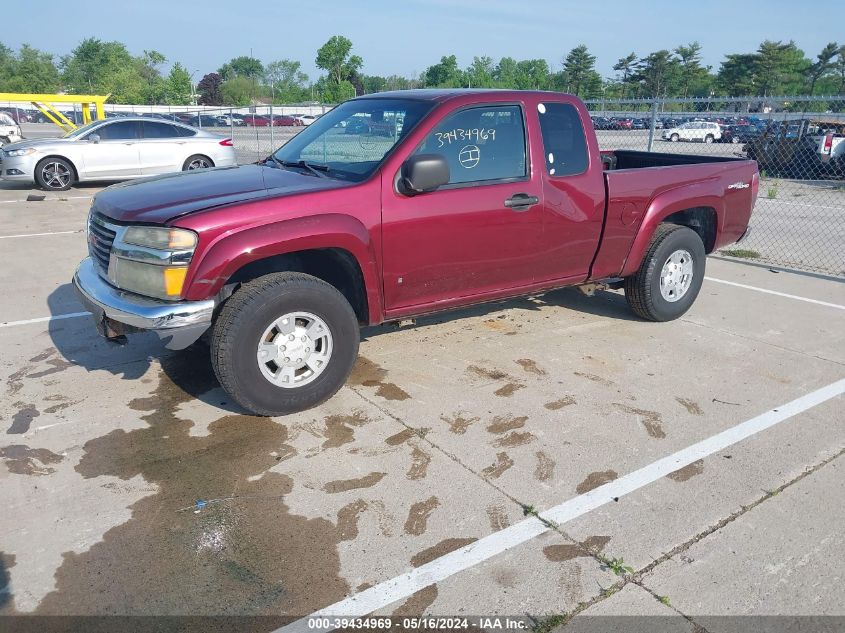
(798, 142)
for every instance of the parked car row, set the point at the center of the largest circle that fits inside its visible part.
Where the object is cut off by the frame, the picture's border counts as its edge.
(226, 119)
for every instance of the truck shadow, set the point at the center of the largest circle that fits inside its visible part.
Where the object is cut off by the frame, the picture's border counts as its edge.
(190, 370)
(604, 303)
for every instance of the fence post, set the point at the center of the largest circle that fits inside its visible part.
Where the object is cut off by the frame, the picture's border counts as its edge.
(653, 124)
(272, 125)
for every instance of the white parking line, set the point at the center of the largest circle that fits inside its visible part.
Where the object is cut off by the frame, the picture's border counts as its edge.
(405, 585)
(7, 237)
(62, 199)
(57, 317)
(775, 292)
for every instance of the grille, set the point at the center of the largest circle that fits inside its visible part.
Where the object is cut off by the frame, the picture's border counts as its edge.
(100, 239)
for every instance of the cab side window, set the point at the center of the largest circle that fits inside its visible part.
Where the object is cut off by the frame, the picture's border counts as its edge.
(480, 144)
(563, 139)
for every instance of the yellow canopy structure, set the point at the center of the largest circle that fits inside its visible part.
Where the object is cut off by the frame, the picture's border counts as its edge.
(45, 103)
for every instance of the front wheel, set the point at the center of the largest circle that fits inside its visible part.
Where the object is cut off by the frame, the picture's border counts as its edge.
(670, 275)
(284, 343)
(54, 174)
(674, 138)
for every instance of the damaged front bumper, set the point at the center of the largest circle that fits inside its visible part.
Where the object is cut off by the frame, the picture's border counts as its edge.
(117, 312)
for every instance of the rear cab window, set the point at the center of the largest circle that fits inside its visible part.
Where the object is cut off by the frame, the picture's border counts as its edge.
(563, 139)
(481, 144)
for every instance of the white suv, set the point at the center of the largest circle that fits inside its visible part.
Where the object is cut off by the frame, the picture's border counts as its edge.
(10, 132)
(694, 131)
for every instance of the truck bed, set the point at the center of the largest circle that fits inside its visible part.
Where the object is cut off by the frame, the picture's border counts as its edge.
(719, 190)
(630, 159)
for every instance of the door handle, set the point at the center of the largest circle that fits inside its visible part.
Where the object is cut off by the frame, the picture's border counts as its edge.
(521, 201)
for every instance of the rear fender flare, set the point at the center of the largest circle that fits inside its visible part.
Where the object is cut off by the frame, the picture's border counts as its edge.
(687, 197)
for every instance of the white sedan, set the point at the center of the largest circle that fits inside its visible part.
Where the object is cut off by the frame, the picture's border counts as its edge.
(115, 149)
(694, 131)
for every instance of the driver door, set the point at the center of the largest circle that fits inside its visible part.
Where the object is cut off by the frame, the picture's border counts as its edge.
(467, 238)
(116, 154)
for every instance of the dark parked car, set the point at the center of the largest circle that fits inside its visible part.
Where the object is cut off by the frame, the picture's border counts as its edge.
(204, 120)
(740, 133)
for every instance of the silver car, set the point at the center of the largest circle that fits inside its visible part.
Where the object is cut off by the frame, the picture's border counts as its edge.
(116, 149)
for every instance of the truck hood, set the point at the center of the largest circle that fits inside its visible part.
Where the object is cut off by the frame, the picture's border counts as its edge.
(160, 199)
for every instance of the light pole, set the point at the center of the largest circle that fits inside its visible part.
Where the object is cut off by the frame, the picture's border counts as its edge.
(193, 90)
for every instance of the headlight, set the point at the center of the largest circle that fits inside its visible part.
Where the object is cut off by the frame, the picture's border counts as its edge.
(152, 261)
(160, 238)
(152, 280)
(20, 152)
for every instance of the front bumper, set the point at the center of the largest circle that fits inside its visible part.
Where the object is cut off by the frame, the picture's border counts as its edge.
(117, 312)
(22, 167)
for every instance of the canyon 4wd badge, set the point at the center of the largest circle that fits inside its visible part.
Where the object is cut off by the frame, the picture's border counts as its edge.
(739, 185)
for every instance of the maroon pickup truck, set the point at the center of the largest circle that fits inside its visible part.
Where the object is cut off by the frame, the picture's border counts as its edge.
(472, 196)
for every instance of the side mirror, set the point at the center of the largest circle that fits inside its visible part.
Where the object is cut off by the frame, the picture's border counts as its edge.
(94, 138)
(423, 172)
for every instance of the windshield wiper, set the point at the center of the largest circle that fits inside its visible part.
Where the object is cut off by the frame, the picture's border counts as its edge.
(315, 168)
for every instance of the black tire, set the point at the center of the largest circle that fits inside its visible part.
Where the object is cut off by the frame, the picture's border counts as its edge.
(675, 138)
(709, 139)
(197, 158)
(63, 174)
(642, 289)
(250, 311)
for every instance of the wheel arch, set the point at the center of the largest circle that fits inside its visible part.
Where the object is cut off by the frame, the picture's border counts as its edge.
(695, 206)
(64, 158)
(333, 247)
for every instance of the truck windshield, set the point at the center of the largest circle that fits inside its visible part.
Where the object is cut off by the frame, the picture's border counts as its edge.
(351, 141)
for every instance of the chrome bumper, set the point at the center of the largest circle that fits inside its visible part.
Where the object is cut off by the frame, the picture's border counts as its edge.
(117, 312)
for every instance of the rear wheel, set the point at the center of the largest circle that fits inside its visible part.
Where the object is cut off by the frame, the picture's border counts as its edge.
(54, 174)
(675, 138)
(709, 138)
(284, 343)
(197, 162)
(670, 275)
(734, 139)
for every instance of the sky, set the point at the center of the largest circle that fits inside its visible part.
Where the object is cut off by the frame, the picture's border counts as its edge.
(406, 36)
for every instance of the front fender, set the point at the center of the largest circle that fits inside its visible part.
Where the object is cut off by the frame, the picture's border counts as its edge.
(699, 194)
(230, 252)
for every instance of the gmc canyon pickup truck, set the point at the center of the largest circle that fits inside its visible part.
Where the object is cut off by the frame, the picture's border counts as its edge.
(433, 199)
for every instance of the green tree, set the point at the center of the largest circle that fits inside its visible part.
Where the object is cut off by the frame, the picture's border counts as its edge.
(31, 70)
(823, 64)
(839, 68)
(94, 66)
(237, 91)
(579, 73)
(657, 74)
(178, 89)
(285, 79)
(149, 69)
(533, 74)
(446, 74)
(480, 73)
(336, 59)
(780, 68)
(209, 90)
(694, 78)
(243, 66)
(625, 67)
(737, 75)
